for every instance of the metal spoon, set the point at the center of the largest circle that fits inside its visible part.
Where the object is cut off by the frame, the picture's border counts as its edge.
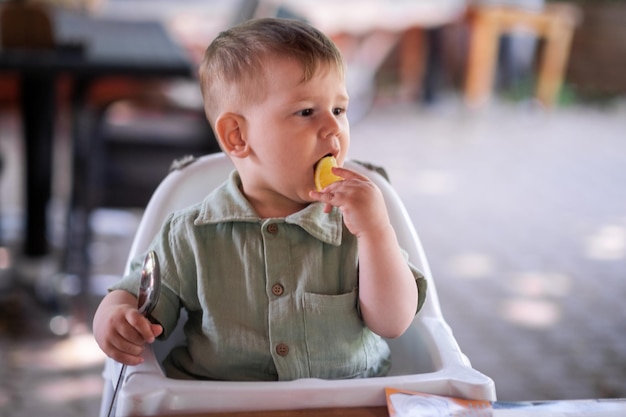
(150, 285)
(149, 291)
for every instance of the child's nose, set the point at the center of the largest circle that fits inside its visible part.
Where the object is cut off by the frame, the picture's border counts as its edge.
(331, 126)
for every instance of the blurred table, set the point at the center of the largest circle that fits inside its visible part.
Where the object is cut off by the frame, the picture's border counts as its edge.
(359, 17)
(88, 49)
(367, 31)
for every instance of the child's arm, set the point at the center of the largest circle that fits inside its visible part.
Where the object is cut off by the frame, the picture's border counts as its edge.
(120, 330)
(387, 288)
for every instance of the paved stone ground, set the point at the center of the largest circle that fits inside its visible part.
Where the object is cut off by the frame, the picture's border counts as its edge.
(523, 217)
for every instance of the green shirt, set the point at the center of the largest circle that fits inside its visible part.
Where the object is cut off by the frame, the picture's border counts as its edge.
(267, 299)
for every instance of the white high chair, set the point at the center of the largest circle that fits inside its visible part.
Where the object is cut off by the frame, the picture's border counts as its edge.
(426, 358)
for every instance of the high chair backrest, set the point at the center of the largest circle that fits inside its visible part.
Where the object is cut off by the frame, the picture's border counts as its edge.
(426, 358)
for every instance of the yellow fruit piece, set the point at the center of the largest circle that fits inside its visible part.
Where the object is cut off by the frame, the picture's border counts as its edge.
(324, 174)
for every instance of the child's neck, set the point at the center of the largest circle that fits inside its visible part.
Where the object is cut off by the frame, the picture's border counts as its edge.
(270, 204)
(273, 210)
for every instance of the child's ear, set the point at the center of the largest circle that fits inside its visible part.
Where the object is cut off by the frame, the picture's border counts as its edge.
(230, 130)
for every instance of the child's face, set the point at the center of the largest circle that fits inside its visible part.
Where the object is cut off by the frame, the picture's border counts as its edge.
(293, 127)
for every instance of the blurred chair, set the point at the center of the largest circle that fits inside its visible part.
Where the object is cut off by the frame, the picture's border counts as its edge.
(1, 231)
(370, 32)
(554, 24)
(123, 146)
(127, 134)
(426, 358)
(22, 26)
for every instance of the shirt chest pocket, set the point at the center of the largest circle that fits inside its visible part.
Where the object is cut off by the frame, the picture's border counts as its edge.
(338, 343)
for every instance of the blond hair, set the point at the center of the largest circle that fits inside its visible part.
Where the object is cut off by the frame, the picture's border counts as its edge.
(233, 65)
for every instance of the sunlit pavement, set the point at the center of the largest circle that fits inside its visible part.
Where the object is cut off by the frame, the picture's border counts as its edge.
(522, 214)
(523, 217)
(51, 377)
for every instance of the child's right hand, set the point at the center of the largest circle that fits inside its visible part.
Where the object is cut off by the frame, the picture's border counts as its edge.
(120, 330)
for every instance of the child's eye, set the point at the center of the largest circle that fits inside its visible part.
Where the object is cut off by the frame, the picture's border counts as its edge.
(306, 112)
(338, 111)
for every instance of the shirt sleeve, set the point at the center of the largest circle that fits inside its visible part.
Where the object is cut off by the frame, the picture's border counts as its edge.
(164, 311)
(422, 286)
(420, 281)
(167, 309)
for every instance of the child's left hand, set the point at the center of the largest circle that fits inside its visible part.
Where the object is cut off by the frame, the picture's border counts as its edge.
(387, 291)
(358, 198)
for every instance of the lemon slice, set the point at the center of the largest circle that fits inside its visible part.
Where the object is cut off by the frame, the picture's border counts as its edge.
(324, 172)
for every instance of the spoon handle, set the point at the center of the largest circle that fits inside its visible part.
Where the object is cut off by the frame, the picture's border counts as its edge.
(117, 388)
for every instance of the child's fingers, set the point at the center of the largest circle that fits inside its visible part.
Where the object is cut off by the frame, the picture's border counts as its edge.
(127, 338)
(157, 329)
(327, 197)
(347, 174)
(119, 348)
(127, 347)
(142, 326)
(127, 354)
(129, 359)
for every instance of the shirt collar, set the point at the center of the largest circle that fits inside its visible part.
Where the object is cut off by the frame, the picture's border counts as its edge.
(227, 204)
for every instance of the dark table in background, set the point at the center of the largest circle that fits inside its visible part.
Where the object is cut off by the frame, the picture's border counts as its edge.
(89, 48)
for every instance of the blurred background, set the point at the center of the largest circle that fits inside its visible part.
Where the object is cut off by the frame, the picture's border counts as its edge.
(502, 124)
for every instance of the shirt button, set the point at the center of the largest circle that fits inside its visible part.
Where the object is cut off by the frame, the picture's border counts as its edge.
(282, 349)
(278, 290)
(272, 228)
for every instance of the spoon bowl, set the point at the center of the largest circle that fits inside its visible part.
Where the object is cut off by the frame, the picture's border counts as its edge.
(150, 284)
